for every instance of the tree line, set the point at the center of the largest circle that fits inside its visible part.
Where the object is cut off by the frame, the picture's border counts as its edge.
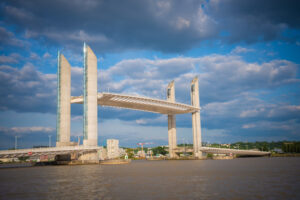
(291, 147)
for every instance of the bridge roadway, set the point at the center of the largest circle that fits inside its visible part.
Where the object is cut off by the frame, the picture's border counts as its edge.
(47, 151)
(140, 103)
(85, 149)
(225, 151)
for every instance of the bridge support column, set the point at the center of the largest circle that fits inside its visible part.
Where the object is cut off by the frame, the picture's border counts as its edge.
(171, 122)
(196, 121)
(90, 115)
(63, 101)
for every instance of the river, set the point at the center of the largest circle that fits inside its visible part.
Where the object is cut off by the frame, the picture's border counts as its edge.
(242, 178)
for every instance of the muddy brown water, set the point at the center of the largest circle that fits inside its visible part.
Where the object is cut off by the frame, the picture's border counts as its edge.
(242, 178)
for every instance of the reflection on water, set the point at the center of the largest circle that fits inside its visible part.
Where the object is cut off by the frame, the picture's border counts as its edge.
(247, 178)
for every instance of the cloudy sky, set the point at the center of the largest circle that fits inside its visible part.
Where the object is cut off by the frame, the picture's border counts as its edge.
(245, 53)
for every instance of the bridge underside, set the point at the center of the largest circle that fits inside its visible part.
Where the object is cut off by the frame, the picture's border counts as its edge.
(140, 103)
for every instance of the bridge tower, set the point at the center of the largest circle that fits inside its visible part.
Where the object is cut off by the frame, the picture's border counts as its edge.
(63, 101)
(196, 121)
(171, 121)
(90, 93)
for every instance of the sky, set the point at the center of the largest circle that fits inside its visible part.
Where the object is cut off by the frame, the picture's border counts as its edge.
(245, 53)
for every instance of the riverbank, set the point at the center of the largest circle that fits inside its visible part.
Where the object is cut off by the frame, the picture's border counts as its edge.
(122, 161)
(285, 155)
(115, 162)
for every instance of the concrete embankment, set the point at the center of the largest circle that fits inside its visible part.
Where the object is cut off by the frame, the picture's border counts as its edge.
(16, 165)
(222, 157)
(115, 162)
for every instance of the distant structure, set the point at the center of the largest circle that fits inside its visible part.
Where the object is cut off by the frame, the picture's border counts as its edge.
(112, 148)
(91, 99)
(141, 154)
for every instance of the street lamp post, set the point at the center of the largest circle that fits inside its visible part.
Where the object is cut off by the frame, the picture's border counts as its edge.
(78, 140)
(16, 142)
(184, 147)
(49, 140)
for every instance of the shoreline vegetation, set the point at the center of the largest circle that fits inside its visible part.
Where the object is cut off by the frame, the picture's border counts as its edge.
(285, 155)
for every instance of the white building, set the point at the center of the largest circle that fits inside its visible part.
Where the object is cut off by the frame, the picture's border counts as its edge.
(122, 152)
(113, 148)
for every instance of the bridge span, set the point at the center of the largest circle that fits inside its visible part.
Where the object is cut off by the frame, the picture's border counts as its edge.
(214, 150)
(84, 149)
(48, 151)
(234, 151)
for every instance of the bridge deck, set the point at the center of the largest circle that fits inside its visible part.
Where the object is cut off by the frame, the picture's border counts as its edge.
(234, 151)
(225, 151)
(46, 151)
(140, 103)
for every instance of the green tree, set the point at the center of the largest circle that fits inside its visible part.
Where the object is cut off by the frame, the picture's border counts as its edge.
(130, 152)
(159, 150)
(23, 158)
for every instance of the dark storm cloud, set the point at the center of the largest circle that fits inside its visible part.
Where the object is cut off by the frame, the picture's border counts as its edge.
(8, 38)
(111, 24)
(273, 11)
(253, 20)
(27, 90)
(160, 25)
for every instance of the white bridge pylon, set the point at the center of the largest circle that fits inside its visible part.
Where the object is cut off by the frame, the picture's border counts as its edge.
(91, 98)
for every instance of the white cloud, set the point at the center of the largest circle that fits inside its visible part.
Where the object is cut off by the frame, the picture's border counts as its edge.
(239, 50)
(287, 127)
(246, 126)
(252, 113)
(77, 118)
(227, 75)
(37, 90)
(182, 23)
(9, 38)
(47, 55)
(227, 83)
(34, 56)
(24, 130)
(12, 58)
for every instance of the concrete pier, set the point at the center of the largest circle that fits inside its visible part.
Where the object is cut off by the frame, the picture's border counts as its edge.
(196, 121)
(90, 98)
(63, 101)
(171, 122)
